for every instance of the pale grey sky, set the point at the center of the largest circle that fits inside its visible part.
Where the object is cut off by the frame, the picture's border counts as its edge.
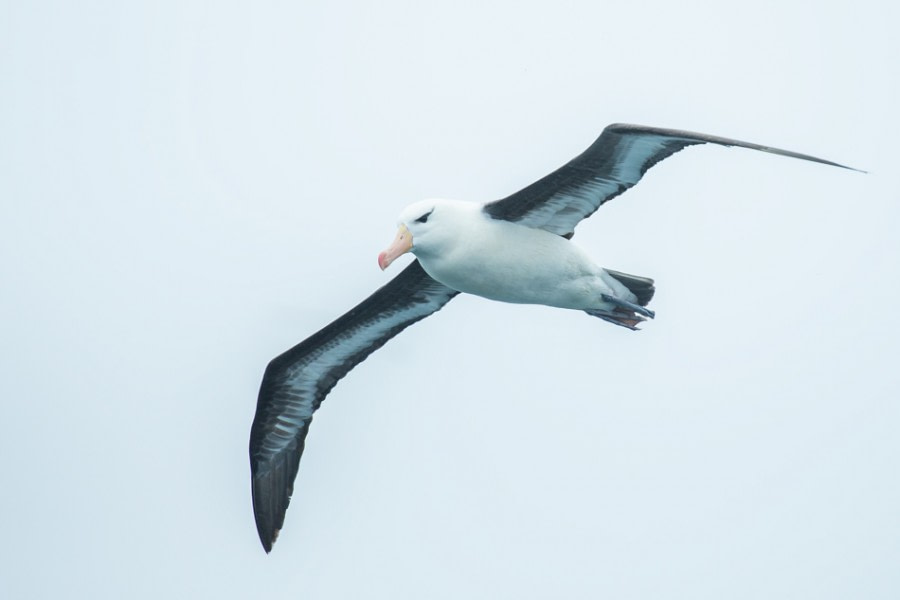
(189, 188)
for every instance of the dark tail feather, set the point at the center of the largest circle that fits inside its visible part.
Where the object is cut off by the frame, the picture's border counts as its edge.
(642, 287)
(625, 314)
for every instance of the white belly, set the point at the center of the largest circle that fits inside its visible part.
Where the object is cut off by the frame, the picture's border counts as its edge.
(511, 263)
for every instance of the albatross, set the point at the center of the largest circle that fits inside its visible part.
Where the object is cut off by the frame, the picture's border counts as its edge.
(516, 249)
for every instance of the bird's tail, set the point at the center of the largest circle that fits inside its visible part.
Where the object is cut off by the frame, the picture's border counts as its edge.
(627, 314)
(642, 287)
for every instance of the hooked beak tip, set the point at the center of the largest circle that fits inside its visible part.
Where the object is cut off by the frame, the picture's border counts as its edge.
(400, 246)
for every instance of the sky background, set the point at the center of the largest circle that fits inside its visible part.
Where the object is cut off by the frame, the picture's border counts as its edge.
(189, 188)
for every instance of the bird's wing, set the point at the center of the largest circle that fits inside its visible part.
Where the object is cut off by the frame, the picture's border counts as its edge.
(296, 382)
(613, 163)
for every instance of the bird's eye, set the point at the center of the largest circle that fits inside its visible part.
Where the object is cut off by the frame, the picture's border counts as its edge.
(424, 217)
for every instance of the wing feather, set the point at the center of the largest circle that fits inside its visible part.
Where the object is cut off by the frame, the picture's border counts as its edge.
(611, 165)
(296, 382)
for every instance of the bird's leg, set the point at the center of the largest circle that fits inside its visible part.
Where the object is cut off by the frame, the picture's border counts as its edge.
(628, 305)
(619, 317)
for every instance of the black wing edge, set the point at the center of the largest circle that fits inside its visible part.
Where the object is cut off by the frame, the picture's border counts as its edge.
(693, 137)
(273, 479)
(602, 157)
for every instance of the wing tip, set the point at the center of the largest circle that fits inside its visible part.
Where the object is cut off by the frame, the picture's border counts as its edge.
(707, 138)
(267, 530)
(271, 497)
(268, 540)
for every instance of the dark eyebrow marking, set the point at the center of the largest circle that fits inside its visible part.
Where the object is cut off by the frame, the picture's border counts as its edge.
(424, 217)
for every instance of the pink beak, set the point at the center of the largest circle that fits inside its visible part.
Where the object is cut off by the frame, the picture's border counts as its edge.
(402, 244)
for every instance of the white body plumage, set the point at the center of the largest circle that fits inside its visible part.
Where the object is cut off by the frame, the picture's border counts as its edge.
(463, 248)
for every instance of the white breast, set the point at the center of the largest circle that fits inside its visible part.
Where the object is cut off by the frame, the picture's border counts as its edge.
(512, 263)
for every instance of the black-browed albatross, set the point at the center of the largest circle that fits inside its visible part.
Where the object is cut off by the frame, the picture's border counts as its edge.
(514, 250)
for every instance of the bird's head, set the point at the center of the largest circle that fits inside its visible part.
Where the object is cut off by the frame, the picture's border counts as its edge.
(423, 227)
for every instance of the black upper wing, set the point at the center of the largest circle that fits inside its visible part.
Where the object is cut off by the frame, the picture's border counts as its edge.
(613, 163)
(296, 382)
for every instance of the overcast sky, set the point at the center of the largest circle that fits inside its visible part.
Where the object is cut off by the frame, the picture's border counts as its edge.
(187, 189)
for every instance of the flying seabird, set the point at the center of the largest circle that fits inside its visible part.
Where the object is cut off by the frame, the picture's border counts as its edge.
(514, 250)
